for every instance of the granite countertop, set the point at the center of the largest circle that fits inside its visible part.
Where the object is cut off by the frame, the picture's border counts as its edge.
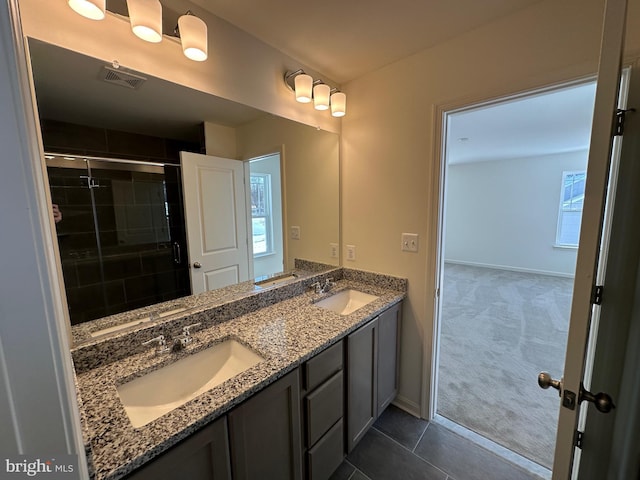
(285, 334)
(83, 333)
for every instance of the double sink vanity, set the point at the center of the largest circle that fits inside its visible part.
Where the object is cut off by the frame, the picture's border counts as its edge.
(249, 382)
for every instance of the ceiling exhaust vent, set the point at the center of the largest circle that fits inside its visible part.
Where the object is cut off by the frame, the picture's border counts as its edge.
(118, 77)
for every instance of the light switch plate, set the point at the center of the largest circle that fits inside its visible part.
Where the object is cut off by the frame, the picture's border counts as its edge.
(409, 242)
(295, 233)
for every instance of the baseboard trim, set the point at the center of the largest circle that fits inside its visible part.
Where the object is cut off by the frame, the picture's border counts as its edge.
(510, 268)
(409, 406)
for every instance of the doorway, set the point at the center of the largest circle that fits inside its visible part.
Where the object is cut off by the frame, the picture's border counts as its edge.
(266, 215)
(514, 173)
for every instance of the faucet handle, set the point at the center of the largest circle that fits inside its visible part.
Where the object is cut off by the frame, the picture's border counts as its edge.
(161, 341)
(185, 339)
(317, 286)
(186, 329)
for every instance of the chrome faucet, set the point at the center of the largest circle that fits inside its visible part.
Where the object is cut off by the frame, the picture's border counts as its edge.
(161, 346)
(323, 287)
(181, 341)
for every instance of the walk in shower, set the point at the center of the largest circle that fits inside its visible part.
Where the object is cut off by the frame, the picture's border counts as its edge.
(120, 233)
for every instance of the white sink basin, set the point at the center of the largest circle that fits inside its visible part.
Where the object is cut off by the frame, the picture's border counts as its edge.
(346, 301)
(156, 393)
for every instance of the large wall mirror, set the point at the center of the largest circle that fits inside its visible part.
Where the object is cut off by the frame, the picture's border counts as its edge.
(112, 139)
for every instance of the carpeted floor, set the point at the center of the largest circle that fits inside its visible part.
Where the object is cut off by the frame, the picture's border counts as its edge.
(499, 329)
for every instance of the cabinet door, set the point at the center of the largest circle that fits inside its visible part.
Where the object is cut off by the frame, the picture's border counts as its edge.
(202, 456)
(361, 381)
(388, 373)
(265, 433)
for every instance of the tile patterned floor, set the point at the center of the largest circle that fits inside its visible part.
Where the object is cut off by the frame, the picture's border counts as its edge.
(402, 447)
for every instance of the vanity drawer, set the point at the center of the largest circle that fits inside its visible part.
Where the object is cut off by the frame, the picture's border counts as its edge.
(322, 366)
(324, 408)
(326, 455)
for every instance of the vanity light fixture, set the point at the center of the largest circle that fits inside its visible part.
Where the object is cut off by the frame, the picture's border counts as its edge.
(146, 19)
(193, 36)
(322, 95)
(91, 9)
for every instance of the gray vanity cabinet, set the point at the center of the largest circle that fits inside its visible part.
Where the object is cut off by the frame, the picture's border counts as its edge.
(323, 407)
(372, 372)
(388, 353)
(362, 381)
(202, 456)
(265, 433)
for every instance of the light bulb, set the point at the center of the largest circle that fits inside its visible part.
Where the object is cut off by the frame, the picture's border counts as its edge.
(92, 9)
(303, 84)
(193, 36)
(321, 96)
(146, 19)
(338, 104)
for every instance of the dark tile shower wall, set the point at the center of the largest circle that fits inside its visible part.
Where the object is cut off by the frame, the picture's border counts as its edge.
(130, 276)
(63, 137)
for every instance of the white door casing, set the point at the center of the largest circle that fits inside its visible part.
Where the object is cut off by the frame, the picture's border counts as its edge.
(216, 220)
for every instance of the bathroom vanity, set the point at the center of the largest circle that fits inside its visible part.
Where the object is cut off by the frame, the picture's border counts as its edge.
(325, 374)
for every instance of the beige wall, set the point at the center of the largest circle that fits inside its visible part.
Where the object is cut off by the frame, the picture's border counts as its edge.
(311, 182)
(390, 145)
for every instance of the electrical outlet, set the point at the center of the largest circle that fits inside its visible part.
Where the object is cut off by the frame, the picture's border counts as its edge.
(333, 247)
(351, 252)
(409, 242)
(295, 233)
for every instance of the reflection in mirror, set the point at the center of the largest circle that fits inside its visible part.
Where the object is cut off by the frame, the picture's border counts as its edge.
(122, 234)
(119, 231)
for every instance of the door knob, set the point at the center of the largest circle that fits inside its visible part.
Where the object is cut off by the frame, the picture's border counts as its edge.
(545, 381)
(602, 401)
(196, 265)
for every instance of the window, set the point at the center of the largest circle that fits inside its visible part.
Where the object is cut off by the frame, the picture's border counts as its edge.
(261, 213)
(571, 202)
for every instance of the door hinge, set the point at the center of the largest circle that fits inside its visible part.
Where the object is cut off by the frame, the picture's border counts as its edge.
(619, 121)
(596, 294)
(578, 439)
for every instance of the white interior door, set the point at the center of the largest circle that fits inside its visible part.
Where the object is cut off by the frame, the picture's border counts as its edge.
(216, 218)
(610, 441)
(590, 235)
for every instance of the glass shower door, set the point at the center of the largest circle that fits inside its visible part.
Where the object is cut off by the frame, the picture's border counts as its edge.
(135, 256)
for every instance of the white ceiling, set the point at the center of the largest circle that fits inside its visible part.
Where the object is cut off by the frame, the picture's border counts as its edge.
(554, 122)
(344, 39)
